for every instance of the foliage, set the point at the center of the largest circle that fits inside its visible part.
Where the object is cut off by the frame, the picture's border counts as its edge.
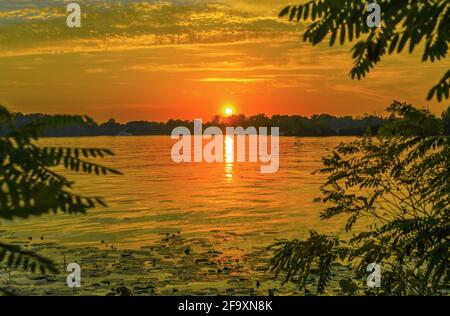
(31, 186)
(411, 122)
(394, 192)
(405, 24)
(290, 125)
(302, 258)
(446, 121)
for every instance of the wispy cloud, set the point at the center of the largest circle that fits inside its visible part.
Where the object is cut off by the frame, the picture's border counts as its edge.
(122, 25)
(94, 70)
(236, 80)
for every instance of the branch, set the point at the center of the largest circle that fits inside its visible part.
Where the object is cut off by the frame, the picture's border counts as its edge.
(15, 257)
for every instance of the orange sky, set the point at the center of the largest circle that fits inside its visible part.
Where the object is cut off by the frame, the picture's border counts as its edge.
(155, 60)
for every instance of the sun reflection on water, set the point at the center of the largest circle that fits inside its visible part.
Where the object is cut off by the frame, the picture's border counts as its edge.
(229, 157)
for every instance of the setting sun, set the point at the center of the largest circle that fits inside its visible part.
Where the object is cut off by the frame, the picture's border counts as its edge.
(228, 111)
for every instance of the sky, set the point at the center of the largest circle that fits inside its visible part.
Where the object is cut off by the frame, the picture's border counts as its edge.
(155, 60)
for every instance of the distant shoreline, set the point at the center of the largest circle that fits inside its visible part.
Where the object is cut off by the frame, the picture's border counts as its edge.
(323, 125)
(117, 136)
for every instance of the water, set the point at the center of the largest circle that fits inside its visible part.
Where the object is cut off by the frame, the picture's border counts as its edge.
(156, 196)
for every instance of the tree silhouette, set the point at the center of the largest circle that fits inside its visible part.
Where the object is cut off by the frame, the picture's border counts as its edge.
(405, 24)
(398, 181)
(397, 189)
(446, 121)
(30, 186)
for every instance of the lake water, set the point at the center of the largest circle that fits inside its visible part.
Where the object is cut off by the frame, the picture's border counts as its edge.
(230, 204)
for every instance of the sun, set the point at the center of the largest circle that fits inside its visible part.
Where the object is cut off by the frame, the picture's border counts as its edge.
(228, 110)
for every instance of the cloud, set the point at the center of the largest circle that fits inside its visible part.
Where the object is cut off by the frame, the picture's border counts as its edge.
(210, 50)
(120, 25)
(94, 70)
(235, 80)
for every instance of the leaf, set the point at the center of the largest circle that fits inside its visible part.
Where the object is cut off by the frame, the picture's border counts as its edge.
(305, 12)
(393, 43)
(402, 43)
(292, 14)
(284, 12)
(333, 37)
(350, 32)
(342, 35)
(25, 259)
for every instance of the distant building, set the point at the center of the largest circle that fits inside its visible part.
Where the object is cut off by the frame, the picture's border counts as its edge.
(124, 133)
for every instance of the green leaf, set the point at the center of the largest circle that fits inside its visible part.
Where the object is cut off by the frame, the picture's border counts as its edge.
(342, 35)
(284, 12)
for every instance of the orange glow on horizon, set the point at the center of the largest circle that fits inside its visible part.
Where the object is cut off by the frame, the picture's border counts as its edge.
(132, 72)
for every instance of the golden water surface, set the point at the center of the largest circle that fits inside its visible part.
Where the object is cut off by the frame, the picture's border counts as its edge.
(156, 196)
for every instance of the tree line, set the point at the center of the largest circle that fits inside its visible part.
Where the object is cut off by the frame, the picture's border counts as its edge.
(290, 125)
